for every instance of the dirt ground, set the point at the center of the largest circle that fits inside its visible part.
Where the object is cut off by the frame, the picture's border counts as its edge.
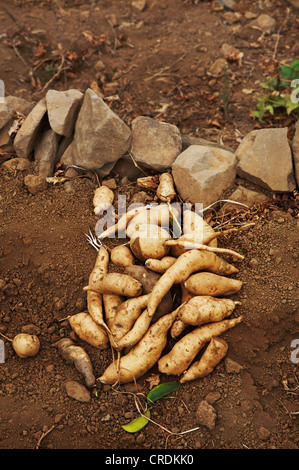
(155, 64)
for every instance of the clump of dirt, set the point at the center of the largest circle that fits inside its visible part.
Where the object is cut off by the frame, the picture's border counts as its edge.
(45, 259)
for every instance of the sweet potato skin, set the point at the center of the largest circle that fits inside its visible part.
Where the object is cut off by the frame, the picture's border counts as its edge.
(88, 330)
(215, 352)
(141, 357)
(206, 309)
(211, 284)
(185, 350)
(185, 265)
(116, 283)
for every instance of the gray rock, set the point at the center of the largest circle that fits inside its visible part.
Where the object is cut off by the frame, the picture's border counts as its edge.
(100, 137)
(16, 164)
(5, 139)
(155, 144)
(77, 391)
(19, 104)
(295, 150)
(35, 183)
(6, 114)
(26, 136)
(201, 174)
(63, 108)
(45, 152)
(264, 23)
(265, 159)
(245, 196)
(206, 415)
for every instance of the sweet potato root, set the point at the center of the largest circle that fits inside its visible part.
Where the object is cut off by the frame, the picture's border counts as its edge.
(116, 283)
(88, 330)
(94, 299)
(121, 255)
(165, 190)
(185, 265)
(143, 356)
(160, 265)
(214, 353)
(214, 285)
(205, 309)
(179, 325)
(102, 199)
(150, 242)
(126, 315)
(78, 357)
(122, 223)
(184, 351)
(111, 303)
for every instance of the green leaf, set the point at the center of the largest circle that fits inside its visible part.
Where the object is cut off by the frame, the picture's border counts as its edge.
(287, 71)
(295, 65)
(161, 390)
(137, 424)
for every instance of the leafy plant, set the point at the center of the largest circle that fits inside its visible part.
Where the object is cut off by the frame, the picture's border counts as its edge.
(282, 91)
(153, 395)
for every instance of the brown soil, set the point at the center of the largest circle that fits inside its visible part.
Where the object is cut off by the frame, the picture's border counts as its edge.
(151, 59)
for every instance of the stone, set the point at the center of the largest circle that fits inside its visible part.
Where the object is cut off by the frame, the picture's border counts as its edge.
(5, 139)
(231, 366)
(45, 152)
(6, 114)
(100, 136)
(99, 66)
(63, 108)
(263, 433)
(218, 68)
(231, 53)
(295, 150)
(201, 174)
(245, 196)
(206, 415)
(19, 164)
(77, 391)
(20, 105)
(139, 4)
(155, 144)
(265, 158)
(264, 23)
(35, 183)
(26, 136)
(188, 140)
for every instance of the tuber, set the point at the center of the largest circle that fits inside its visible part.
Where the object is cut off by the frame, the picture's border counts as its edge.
(185, 265)
(102, 199)
(143, 356)
(214, 353)
(26, 345)
(185, 350)
(211, 284)
(77, 356)
(116, 283)
(88, 330)
(206, 309)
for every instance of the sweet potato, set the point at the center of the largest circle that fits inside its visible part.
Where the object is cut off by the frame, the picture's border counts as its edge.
(206, 309)
(148, 280)
(122, 223)
(179, 325)
(195, 229)
(102, 199)
(185, 265)
(111, 303)
(150, 243)
(88, 330)
(165, 190)
(78, 357)
(158, 215)
(116, 283)
(214, 353)
(185, 350)
(126, 315)
(121, 255)
(94, 299)
(160, 265)
(138, 330)
(143, 356)
(214, 285)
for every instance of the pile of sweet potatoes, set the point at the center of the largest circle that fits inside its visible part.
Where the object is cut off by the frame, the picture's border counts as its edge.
(124, 313)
